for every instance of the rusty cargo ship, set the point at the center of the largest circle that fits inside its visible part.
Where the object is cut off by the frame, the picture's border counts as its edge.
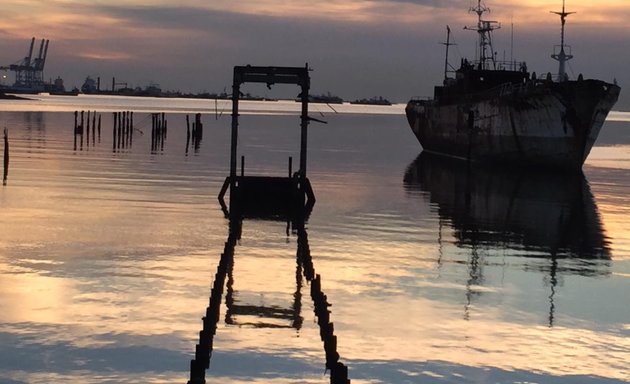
(498, 112)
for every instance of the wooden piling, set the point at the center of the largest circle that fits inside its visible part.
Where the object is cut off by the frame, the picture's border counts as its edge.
(114, 132)
(81, 127)
(125, 129)
(130, 128)
(120, 131)
(87, 131)
(164, 125)
(93, 128)
(187, 133)
(6, 157)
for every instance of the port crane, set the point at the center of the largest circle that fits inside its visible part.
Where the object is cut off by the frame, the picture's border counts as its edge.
(29, 72)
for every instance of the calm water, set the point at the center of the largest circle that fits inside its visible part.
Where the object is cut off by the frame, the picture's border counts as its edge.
(435, 274)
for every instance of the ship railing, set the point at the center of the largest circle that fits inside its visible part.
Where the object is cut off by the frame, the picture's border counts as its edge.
(502, 65)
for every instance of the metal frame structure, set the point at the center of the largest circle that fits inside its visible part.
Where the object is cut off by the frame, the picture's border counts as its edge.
(242, 186)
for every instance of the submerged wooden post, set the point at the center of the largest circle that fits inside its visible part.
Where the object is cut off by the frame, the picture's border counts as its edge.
(6, 157)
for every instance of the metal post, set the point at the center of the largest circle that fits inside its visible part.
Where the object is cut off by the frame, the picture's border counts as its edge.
(290, 165)
(235, 96)
(304, 117)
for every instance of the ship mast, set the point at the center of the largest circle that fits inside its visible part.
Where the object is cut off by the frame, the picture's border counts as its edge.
(447, 44)
(562, 57)
(484, 28)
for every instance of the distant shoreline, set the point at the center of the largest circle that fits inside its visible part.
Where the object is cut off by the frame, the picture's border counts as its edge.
(4, 96)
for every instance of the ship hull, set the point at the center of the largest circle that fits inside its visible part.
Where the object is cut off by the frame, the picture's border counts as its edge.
(550, 124)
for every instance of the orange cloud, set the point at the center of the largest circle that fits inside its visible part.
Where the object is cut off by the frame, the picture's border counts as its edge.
(103, 55)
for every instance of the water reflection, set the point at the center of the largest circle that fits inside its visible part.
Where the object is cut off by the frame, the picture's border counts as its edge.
(267, 316)
(530, 214)
(540, 213)
(34, 132)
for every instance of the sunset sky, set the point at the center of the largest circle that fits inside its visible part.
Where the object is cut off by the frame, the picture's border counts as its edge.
(357, 48)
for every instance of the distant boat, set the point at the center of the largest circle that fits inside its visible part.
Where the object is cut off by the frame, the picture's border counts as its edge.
(74, 92)
(372, 101)
(496, 111)
(328, 98)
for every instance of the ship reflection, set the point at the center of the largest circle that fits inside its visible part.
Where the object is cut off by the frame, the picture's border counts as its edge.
(540, 215)
(266, 316)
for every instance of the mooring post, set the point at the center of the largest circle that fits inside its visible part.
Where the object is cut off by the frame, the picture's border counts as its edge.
(75, 122)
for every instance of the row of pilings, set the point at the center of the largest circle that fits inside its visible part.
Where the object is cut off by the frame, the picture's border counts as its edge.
(196, 134)
(82, 127)
(88, 123)
(122, 131)
(159, 129)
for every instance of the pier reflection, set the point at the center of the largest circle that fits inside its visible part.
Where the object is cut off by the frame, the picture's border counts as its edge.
(267, 316)
(537, 215)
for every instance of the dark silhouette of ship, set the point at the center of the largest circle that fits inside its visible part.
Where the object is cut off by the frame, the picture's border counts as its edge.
(493, 111)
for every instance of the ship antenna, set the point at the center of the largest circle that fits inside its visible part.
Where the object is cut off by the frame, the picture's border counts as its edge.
(562, 56)
(484, 28)
(447, 44)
